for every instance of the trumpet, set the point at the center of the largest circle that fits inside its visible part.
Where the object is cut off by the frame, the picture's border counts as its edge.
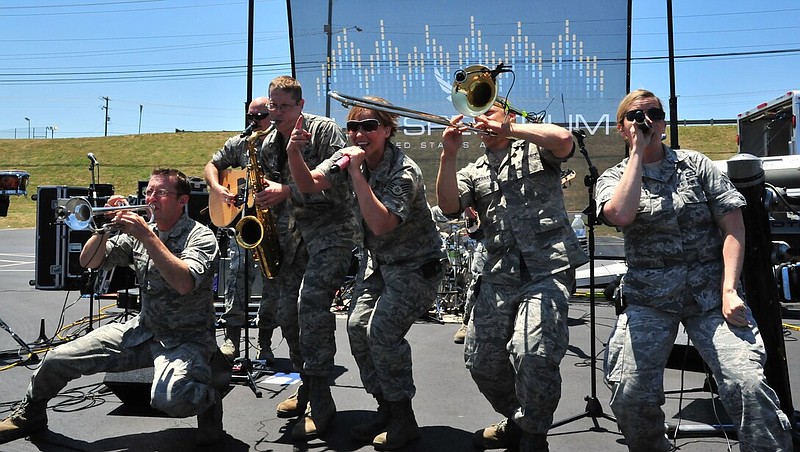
(473, 93)
(78, 214)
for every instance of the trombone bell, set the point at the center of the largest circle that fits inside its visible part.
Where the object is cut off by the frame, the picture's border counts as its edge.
(474, 90)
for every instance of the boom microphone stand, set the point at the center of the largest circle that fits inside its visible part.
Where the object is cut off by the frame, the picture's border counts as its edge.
(593, 408)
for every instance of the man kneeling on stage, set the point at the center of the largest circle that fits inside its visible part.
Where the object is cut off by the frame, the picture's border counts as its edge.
(173, 258)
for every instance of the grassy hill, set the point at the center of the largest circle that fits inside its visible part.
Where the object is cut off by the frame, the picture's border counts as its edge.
(125, 160)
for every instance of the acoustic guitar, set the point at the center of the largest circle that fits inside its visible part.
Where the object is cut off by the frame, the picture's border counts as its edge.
(223, 214)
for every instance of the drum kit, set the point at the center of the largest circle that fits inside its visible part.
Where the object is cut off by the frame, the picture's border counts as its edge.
(12, 182)
(458, 247)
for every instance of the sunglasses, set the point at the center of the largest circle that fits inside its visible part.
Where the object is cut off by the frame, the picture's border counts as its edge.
(367, 125)
(655, 114)
(257, 116)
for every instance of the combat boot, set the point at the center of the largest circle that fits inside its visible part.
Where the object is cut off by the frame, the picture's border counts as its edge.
(402, 427)
(230, 348)
(533, 442)
(209, 423)
(296, 404)
(365, 433)
(320, 412)
(265, 346)
(27, 418)
(460, 335)
(503, 435)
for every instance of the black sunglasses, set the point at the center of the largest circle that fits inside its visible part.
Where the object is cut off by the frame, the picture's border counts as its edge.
(655, 114)
(257, 116)
(367, 125)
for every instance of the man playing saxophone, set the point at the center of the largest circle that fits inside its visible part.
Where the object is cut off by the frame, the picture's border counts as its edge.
(321, 231)
(234, 154)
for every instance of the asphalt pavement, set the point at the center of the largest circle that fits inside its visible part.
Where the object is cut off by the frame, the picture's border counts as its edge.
(89, 416)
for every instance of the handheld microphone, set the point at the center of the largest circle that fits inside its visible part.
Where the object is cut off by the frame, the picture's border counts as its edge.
(252, 126)
(92, 159)
(641, 121)
(340, 164)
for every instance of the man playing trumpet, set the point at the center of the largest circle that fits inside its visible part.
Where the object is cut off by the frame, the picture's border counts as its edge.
(174, 260)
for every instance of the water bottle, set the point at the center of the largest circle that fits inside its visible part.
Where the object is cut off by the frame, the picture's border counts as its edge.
(580, 231)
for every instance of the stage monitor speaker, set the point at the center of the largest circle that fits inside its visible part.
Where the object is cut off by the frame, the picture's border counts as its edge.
(131, 387)
(684, 356)
(58, 248)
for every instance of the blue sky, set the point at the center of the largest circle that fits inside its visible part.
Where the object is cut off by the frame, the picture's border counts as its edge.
(179, 64)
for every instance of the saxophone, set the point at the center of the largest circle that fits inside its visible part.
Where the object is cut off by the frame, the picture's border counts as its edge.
(257, 231)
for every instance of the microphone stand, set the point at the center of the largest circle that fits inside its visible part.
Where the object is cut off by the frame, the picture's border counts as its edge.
(593, 408)
(243, 363)
(92, 276)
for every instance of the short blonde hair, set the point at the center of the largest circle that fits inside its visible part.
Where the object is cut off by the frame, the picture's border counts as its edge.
(632, 97)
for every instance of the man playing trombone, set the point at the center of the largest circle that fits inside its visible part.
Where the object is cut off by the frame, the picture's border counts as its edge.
(174, 259)
(518, 333)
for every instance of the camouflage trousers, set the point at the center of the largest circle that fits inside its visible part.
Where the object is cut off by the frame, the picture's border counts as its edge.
(182, 374)
(236, 307)
(637, 354)
(305, 289)
(474, 285)
(384, 307)
(516, 339)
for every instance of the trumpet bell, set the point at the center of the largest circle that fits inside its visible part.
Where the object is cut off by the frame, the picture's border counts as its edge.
(474, 90)
(80, 214)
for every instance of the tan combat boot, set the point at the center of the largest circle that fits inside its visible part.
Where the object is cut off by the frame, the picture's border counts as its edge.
(296, 404)
(365, 433)
(230, 348)
(503, 435)
(27, 418)
(320, 412)
(402, 428)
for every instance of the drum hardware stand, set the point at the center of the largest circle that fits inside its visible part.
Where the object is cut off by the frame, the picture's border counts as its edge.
(244, 366)
(593, 408)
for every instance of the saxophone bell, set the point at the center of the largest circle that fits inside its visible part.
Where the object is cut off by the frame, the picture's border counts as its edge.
(249, 232)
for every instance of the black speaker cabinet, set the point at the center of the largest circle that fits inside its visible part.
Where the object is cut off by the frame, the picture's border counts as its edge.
(131, 387)
(58, 248)
(197, 208)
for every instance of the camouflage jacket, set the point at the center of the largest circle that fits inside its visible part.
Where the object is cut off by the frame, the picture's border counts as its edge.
(167, 316)
(674, 242)
(519, 201)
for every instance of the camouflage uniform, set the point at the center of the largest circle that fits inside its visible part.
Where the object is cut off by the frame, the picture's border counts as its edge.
(476, 269)
(518, 332)
(398, 278)
(173, 333)
(317, 248)
(673, 250)
(234, 155)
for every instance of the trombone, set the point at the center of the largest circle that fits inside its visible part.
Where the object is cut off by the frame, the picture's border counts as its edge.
(78, 214)
(473, 93)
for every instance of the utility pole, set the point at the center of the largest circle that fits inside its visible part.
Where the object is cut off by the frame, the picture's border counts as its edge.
(140, 118)
(107, 119)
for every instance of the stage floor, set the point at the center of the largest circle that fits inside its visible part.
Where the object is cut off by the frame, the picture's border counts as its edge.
(87, 416)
